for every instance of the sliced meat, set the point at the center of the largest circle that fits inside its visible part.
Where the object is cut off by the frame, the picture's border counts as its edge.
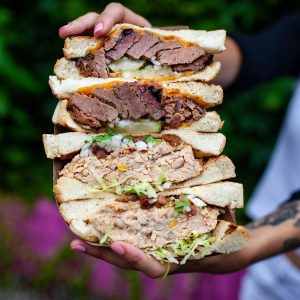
(142, 45)
(134, 105)
(90, 111)
(179, 109)
(99, 152)
(93, 65)
(129, 37)
(151, 97)
(161, 46)
(196, 65)
(179, 56)
(109, 97)
(111, 42)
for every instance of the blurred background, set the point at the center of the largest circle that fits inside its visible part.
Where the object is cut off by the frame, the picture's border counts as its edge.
(35, 261)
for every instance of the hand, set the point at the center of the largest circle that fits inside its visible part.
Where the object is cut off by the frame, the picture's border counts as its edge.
(100, 24)
(126, 256)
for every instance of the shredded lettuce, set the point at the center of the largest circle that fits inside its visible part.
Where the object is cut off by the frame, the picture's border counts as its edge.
(115, 186)
(161, 179)
(106, 235)
(128, 137)
(150, 139)
(107, 136)
(180, 251)
(141, 189)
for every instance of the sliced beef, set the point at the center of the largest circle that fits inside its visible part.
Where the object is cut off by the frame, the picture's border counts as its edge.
(142, 45)
(129, 37)
(134, 105)
(161, 46)
(196, 65)
(179, 109)
(90, 111)
(93, 65)
(151, 96)
(109, 97)
(111, 42)
(179, 56)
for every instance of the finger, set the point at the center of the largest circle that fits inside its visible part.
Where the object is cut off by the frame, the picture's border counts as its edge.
(140, 260)
(116, 13)
(78, 26)
(103, 253)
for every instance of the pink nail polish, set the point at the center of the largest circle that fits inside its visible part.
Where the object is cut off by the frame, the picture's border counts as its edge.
(117, 249)
(98, 27)
(79, 248)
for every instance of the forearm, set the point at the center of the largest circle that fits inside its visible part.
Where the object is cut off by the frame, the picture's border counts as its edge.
(277, 233)
(272, 235)
(231, 61)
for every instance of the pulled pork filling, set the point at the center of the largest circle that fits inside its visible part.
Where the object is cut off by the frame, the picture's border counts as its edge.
(147, 47)
(132, 101)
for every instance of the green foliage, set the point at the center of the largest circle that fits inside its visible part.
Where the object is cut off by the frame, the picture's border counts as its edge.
(29, 46)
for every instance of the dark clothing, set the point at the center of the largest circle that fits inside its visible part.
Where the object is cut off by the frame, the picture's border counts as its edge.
(273, 52)
(294, 197)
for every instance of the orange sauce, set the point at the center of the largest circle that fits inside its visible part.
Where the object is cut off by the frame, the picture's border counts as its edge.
(106, 85)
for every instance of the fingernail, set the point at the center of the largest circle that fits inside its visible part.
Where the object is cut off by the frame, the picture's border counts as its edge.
(98, 27)
(67, 25)
(117, 249)
(79, 248)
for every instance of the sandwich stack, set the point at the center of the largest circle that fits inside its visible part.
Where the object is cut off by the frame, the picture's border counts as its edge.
(139, 149)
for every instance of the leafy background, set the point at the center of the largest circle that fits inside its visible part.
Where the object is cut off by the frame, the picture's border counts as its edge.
(29, 46)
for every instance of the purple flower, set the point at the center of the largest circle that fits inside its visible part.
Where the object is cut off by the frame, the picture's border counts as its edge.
(105, 280)
(215, 287)
(44, 232)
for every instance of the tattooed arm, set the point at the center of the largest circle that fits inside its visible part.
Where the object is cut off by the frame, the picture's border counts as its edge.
(274, 234)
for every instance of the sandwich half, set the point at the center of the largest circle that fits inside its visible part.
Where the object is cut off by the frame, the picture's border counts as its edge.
(173, 229)
(94, 104)
(130, 51)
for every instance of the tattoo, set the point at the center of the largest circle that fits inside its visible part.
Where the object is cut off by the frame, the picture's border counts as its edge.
(285, 212)
(297, 223)
(291, 244)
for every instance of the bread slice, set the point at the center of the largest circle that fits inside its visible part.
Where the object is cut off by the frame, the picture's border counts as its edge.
(210, 122)
(64, 145)
(80, 46)
(63, 89)
(213, 170)
(230, 237)
(222, 194)
(77, 214)
(65, 68)
(62, 117)
(211, 41)
(70, 189)
(205, 94)
(203, 144)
